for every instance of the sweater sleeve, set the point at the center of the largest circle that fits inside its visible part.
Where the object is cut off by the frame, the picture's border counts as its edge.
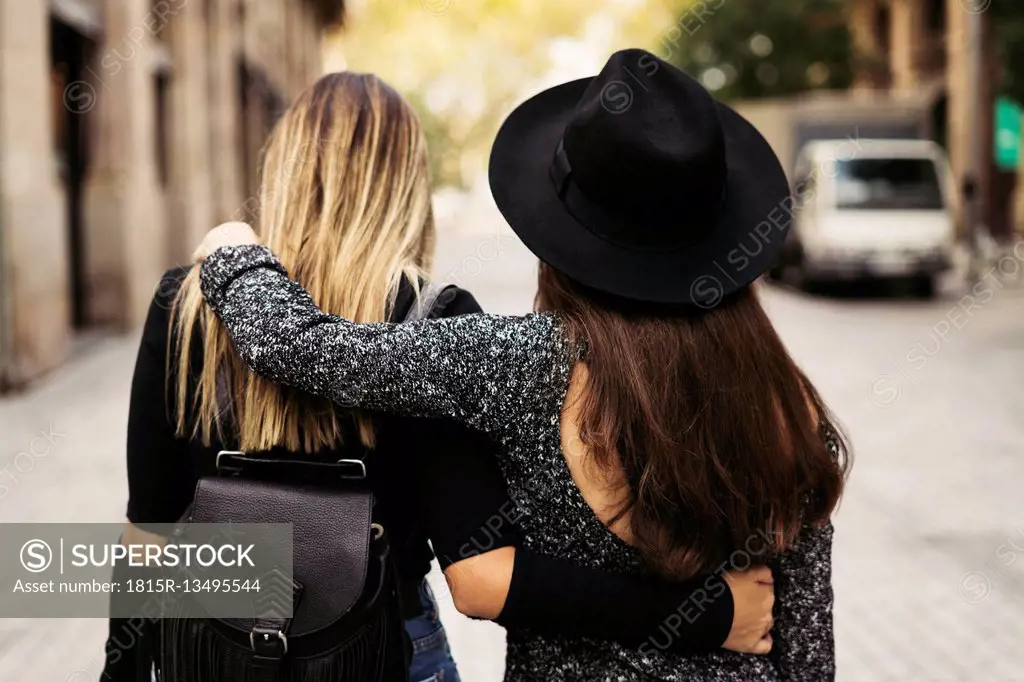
(805, 641)
(473, 369)
(805, 644)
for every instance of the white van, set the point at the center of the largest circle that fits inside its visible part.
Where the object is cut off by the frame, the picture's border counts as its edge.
(880, 208)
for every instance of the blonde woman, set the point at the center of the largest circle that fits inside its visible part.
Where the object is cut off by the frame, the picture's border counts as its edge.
(345, 202)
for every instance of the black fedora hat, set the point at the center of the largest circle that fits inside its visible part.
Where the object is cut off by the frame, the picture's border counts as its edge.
(638, 183)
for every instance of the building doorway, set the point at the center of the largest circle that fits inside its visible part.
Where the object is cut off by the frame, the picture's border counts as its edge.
(72, 99)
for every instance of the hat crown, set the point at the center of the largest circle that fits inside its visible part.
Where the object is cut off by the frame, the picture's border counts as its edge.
(646, 144)
(636, 182)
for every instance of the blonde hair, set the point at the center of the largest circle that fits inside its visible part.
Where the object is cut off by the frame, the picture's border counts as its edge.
(345, 204)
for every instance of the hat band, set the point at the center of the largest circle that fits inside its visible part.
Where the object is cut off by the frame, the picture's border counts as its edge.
(603, 223)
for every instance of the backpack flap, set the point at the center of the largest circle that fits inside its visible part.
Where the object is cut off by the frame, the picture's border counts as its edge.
(331, 534)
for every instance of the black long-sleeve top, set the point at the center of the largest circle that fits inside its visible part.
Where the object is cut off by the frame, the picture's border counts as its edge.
(432, 478)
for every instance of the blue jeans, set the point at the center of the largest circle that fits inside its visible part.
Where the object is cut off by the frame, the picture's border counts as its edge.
(431, 656)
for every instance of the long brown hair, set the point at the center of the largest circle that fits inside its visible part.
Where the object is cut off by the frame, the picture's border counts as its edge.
(345, 204)
(714, 427)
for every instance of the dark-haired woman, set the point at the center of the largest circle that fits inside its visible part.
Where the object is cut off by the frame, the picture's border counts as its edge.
(649, 417)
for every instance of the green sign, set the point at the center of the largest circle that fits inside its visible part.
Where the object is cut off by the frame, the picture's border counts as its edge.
(1006, 133)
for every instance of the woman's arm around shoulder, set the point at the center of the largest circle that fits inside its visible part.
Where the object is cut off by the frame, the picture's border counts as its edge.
(517, 587)
(471, 368)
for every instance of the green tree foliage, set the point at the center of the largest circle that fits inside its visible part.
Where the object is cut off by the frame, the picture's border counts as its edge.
(761, 48)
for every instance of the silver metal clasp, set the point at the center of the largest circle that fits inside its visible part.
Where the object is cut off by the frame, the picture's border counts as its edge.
(358, 464)
(222, 466)
(266, 638)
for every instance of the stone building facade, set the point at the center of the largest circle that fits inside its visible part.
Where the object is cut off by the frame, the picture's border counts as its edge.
(127, 129)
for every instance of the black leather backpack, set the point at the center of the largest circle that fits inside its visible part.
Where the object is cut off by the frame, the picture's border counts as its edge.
(346, 624)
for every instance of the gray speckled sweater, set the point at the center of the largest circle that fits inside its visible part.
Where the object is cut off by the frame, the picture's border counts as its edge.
(506, 376)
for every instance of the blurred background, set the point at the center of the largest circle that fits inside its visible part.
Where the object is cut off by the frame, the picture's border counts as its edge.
(130, 127)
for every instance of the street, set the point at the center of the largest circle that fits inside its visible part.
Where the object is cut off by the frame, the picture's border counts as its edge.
(929, 550)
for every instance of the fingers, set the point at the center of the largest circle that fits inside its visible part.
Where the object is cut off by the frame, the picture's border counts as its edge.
(759, 574)
(763, 574)
(233, 225)
(232, 233)
(763, 646)
(754, 596)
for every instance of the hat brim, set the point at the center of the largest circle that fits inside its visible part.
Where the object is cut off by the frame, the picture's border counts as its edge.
(751, 230)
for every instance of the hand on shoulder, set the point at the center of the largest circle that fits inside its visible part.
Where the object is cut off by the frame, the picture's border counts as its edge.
(233, 233)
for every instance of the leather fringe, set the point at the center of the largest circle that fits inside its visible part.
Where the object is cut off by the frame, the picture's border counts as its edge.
(193, 651)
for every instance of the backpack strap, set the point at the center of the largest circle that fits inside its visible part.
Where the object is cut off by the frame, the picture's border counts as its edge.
(431, 302)
(268, 638)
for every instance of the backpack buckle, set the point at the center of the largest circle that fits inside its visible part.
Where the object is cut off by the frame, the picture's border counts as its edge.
(228, 461)
(357, 467)
(268, 643)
